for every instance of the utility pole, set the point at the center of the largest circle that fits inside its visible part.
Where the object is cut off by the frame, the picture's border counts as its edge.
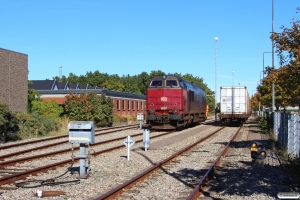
(273, 85)
(216, 45)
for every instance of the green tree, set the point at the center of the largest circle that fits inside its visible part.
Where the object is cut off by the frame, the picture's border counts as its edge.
(132, 83)
(157, 73)
(33, 95)
(111, 84)
(96, 78)
(143, 80)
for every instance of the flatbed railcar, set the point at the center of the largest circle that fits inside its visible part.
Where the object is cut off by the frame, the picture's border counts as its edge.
(172, 102)
(235, 104)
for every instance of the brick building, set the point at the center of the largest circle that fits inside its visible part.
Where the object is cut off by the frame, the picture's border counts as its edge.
(14, 79)
(125, 104)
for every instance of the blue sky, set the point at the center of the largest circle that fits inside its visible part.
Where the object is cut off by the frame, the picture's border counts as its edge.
(134, 36)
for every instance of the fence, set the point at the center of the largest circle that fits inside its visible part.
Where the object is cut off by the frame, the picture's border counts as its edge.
(287, 131)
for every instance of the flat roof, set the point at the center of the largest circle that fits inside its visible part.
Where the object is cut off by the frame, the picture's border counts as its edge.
(13, 51)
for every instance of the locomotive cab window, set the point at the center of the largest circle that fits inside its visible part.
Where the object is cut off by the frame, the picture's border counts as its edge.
(171, 83)
(156, 83)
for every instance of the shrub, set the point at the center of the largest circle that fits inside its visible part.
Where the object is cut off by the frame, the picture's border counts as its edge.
(90, 107)
(33, 95)
(8, 124)
(294, 166)
(263, 124)
(47, 109)
(33, 125)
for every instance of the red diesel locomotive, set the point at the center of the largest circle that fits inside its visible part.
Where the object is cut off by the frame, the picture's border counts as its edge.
(172, 102)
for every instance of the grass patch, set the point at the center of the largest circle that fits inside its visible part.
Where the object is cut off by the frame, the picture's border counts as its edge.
(63, 130)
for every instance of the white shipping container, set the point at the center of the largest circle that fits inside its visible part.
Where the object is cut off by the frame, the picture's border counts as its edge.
(234, 100)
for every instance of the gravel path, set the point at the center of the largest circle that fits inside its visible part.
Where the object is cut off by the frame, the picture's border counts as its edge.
(240, 177)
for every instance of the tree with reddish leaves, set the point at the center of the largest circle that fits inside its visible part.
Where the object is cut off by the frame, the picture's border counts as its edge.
(287, 80)
(265, 89)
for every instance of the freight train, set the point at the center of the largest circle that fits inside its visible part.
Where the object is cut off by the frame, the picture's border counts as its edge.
(172, 103)
(235, 104)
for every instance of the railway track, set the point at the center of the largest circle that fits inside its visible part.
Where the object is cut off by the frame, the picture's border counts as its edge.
(15, 175)
(20, 155)
(165, 169)
(18, 174)
(23, 144)
(237, 176)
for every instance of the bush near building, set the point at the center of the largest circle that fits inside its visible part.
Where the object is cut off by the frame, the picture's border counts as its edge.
(89, 107)
(47, 109)
(17, 125)
(33, 125)
(8, 124)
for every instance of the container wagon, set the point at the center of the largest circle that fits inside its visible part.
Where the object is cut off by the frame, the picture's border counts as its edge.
(235, 104)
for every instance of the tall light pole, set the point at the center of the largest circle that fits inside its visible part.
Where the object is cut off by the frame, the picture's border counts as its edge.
(232, 78)
(216, 46)
(273, 86)
(264, 63)
(60, 72)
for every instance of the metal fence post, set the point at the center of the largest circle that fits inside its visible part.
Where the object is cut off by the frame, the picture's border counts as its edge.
(297, 136)
(291, 119)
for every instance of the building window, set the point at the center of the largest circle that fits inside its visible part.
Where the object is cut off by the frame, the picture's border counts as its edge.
(142, 106)
(128, 103)
(123, 105)
(132, 107)
(118, 104)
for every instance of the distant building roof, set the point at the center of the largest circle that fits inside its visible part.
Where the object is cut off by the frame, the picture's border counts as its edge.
(54, 85)
(43, 85)
(82, 87)
(63, 85)
(73, 86)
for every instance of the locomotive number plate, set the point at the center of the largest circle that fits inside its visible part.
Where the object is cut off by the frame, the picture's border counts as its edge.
(163, 98)
(163, 108)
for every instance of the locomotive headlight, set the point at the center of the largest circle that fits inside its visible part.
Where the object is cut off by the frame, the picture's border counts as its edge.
(175, 111)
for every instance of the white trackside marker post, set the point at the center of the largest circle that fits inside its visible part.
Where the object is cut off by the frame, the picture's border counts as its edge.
(39, 193)
(140, 118)
(129, 142)
(146, 139)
